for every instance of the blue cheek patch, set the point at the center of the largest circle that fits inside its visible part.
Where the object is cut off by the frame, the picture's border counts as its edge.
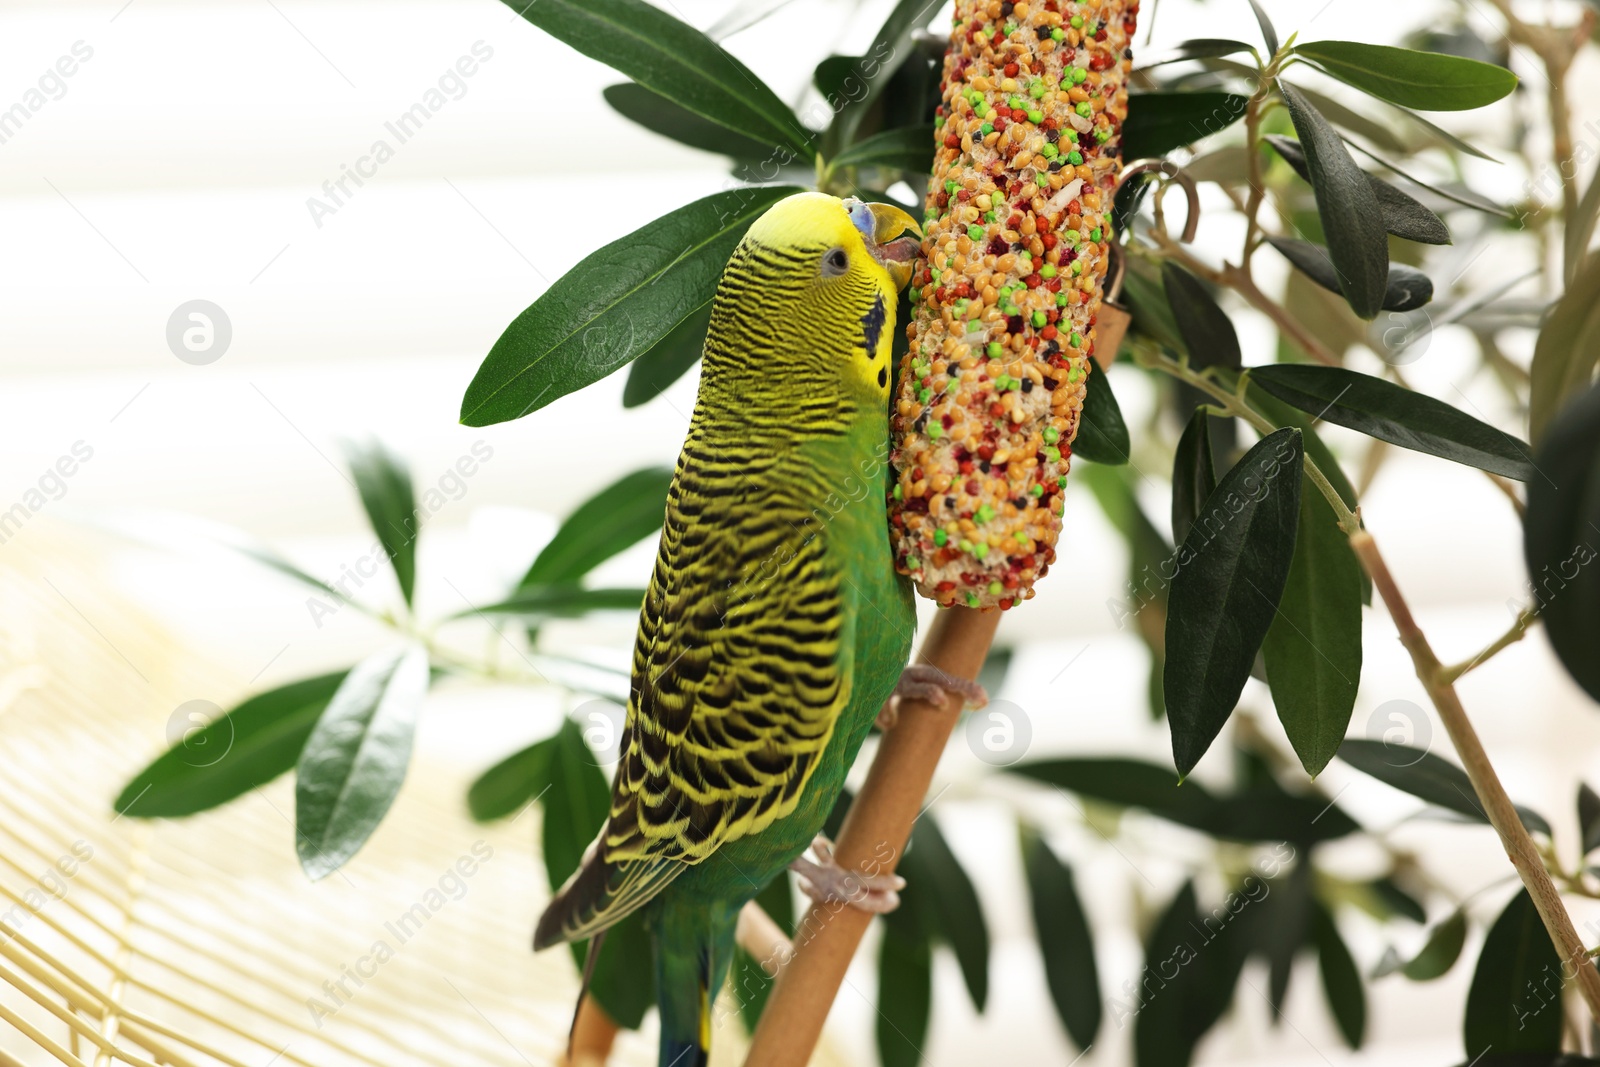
(872, 325)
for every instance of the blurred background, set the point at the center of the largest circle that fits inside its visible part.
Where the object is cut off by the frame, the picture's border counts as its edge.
(178, 164)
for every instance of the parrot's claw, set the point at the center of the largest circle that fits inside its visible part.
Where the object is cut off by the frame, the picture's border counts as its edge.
(824, 881)
(924, 681)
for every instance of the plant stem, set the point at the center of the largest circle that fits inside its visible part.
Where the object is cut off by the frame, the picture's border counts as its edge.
(1520, 848)
(1519, 628)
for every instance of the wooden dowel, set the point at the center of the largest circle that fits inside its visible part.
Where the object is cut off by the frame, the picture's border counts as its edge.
(878, 825)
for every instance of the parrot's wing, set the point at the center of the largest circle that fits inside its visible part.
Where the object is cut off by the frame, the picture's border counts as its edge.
(739, 674)
(740, 671)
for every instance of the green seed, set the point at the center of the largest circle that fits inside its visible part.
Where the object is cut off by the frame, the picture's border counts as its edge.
(996, 350)
(1036, 117)
(980, 550)
(1052, 454)
(1075, 158)
(1047, 271)
(1079, 75)
(1061, 300)
(1040, 318)
(1051, 435)
(1057, 34)
(1095, 234)
(1084, 110)
(975, 232)
(899, 493)
(940, 537)
(972, 600)
(983, 514)
(1077, 22)
(995, 588)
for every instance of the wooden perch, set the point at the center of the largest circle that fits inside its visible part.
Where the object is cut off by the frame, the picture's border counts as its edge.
(883, 813)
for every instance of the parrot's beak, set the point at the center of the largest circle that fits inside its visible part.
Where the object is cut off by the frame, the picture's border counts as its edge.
(893, 237)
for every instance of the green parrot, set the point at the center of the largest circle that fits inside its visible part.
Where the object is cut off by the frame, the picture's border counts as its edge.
(775, 627)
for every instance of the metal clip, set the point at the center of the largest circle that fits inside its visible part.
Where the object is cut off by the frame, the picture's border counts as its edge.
(1111, 324)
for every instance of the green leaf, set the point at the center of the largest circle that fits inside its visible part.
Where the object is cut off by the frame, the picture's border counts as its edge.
(616, 304)
(1065, 940)
(617, 517)
(355, 759)
(908, 148)
(950, 904)
(1427, 80)
(1313, 650)
(1203, 962)
(1231, 571)
(1403, 215)
(508, 786)
(871, 71)
(1207, 332)
(1561, 538)
(1567, 350)
(1588, 817)
(1282, 414)
(1195, 48)
(660, 115)
(1160, 122)
(1396, 901)
(1406, 289)
(1440, 952)
(1514, 1004)
(1351, 220)
(624, 988)
(1397, 415)
(1269, 33)
(561, 602)
(1281, 926)
(1341, 982)
(674, 60)
(1425, 776)
(905, 990)
(249, 746)
(1102, 434)
(667, 360)
(1194, 473)
(384, 482)
(1378, 133)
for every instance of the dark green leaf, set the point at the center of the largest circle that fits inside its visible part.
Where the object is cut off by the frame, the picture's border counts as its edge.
(1231, 571)
(1440, 952)
(660, 115)
(1397, 901)
(1268, 32)
(1427, 80)
(750, 981)
(1281, 414)
(1194, 474)
(1194, 961)
(355, 760)
(1403, 215)
(871, 71)
(623, 987)
(1313, 650)
(1567, 350)
(1102, 435)
(949, 904)
(617, 517)
(1195, 48)
(1561, 538)
(1065, 940)
(1281, 926)
(1262, 813)
(384, 483)
(905, 990)
(1425, 776)
(561, 602)
(249, 746)
(1397, 415)
(1351, 220)
(511, 784)
(1341, 982)
(1455, 193)
(1405, 290)
(667, 360)
(616, 304)
(1378, 133)
(907, 148)
(674, 60)
(1588, 817)
(1514, 1004)
(1207, 332)
(1160, 122)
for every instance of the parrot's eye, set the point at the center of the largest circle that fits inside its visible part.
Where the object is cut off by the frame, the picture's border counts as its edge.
(835, 262)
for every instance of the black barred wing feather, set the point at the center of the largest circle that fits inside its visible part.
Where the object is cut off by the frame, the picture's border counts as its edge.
(738, 673)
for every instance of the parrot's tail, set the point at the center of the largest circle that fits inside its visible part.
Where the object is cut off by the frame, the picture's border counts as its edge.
(694, 947)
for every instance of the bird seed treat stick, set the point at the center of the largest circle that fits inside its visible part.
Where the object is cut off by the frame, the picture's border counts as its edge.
(1018, 229)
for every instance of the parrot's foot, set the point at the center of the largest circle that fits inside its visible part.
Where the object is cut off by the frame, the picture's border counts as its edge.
(824, 881)
(924, 681)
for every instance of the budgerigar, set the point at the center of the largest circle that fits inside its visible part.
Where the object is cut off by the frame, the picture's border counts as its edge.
(775, 626)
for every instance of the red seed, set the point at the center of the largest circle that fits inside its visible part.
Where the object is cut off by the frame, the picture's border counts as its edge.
(1011, 70)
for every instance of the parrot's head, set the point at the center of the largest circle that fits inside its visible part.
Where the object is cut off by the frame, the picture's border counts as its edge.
(832, 270)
